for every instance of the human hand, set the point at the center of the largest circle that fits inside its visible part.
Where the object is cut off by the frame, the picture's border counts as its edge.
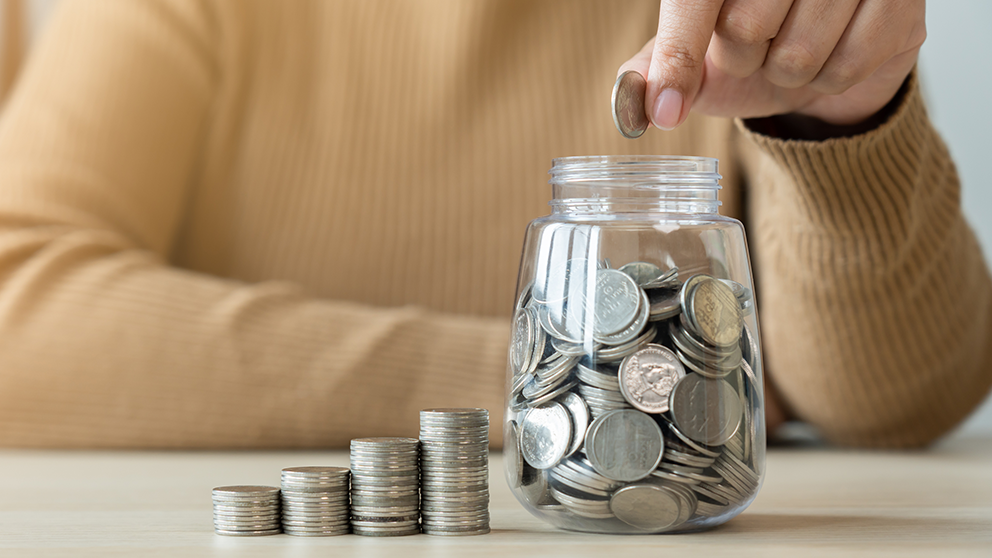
(840, 61)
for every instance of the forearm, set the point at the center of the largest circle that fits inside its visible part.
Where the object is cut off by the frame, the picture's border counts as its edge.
(104, 347)
(874, 297)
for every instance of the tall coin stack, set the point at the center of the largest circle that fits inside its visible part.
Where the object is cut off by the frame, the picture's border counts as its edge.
(385, 483)
(454, 461)
(315, 501)
(246, 511)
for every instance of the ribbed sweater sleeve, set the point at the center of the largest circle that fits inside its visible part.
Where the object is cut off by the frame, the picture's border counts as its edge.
(876, 304)
(103, 344)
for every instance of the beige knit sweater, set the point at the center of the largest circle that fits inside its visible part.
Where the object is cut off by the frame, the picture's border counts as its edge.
(250, 223)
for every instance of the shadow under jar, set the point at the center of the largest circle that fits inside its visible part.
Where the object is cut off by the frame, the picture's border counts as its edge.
(634, 387)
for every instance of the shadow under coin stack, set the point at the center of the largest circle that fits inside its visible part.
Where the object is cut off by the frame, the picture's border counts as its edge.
(315, 501)
(385, 482)
(246, 511)
(455, 471)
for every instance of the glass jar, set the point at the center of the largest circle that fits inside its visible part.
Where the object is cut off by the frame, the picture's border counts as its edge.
(634, 387)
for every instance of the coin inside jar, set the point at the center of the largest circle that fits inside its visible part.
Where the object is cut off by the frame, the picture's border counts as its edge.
(648, 376)
(617, 304)
(545, 435)
(714, 312)
(624, 445)
(646, 506)
(706, 410)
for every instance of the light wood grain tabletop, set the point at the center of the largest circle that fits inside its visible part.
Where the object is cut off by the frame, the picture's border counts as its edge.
(815, 502)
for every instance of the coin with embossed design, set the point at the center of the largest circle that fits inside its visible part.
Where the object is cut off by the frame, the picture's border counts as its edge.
(545, 435)
(648, 376)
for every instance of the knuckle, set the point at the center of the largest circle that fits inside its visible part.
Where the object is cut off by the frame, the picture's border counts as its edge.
(793, 62)
(680, 56)
(843, 75)
(744, 30)
(918, 35)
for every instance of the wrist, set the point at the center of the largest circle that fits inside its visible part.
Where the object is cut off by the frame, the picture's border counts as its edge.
(796, 126)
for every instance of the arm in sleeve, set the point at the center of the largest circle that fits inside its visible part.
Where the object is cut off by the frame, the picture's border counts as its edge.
(875, 301)
(103, 344)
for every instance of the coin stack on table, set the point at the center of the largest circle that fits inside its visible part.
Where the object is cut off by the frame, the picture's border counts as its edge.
(246, 511)
(315, 501)
(454, 464)
(633, 397)
(385, 486)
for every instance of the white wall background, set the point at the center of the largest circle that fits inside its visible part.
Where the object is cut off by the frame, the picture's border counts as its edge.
(956, 69)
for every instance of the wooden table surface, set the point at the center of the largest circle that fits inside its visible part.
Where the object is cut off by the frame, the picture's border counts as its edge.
(815, 502)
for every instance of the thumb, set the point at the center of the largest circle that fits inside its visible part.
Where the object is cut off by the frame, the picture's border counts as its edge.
(678, 58)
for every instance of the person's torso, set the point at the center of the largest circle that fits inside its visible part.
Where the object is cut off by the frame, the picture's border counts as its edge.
(392, 152)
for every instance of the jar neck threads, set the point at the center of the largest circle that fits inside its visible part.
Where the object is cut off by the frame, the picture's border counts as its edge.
(638, 183)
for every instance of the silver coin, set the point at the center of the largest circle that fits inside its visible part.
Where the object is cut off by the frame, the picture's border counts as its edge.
(646, 506)
(246, 511)
(241, 492)
(316, 472)
(617, 302)
(631, 332)
(582, 472)
(643, 273)
(708, 366)
(705, 410)
(555, 280)
(511, 453)
(545, 435)
(663, 304)
(522, 340)
(628, 104)
(735, 287)
(648, 376)
(525, 296)
(551, 395)
(550, 320)
(261, 533)
(620, 352)
(688, 343)
(534, 488)
(601, 395)
(597, 378)
(561, 476)
(579, 413)
(714, 312)
(668, 280)
(624, 445)
(321, 533)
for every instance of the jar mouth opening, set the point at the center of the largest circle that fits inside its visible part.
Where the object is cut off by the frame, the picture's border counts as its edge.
(642, 170)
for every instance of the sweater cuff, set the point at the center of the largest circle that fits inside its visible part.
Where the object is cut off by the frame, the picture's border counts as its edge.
(860, 184)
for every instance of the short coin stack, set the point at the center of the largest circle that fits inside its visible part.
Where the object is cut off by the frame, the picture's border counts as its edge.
(385, 480)
(455, 471)
(246, 511)
(315, 501)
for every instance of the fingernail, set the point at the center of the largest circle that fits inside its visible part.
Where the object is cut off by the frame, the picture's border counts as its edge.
(667, 109)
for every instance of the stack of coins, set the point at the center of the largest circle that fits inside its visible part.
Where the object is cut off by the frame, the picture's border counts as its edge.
(633, 385)
(246, 511)
(455, 471)
(385, 483)
(315, 501)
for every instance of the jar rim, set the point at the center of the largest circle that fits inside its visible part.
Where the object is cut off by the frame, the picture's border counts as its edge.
(640, 163)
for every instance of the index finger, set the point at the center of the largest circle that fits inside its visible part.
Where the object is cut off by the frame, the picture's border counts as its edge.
(678, 58)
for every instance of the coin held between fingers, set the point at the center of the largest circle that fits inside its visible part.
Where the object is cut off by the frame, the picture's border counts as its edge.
(628, 104)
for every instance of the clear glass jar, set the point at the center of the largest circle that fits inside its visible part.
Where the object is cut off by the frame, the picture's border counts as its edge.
(634, 387)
